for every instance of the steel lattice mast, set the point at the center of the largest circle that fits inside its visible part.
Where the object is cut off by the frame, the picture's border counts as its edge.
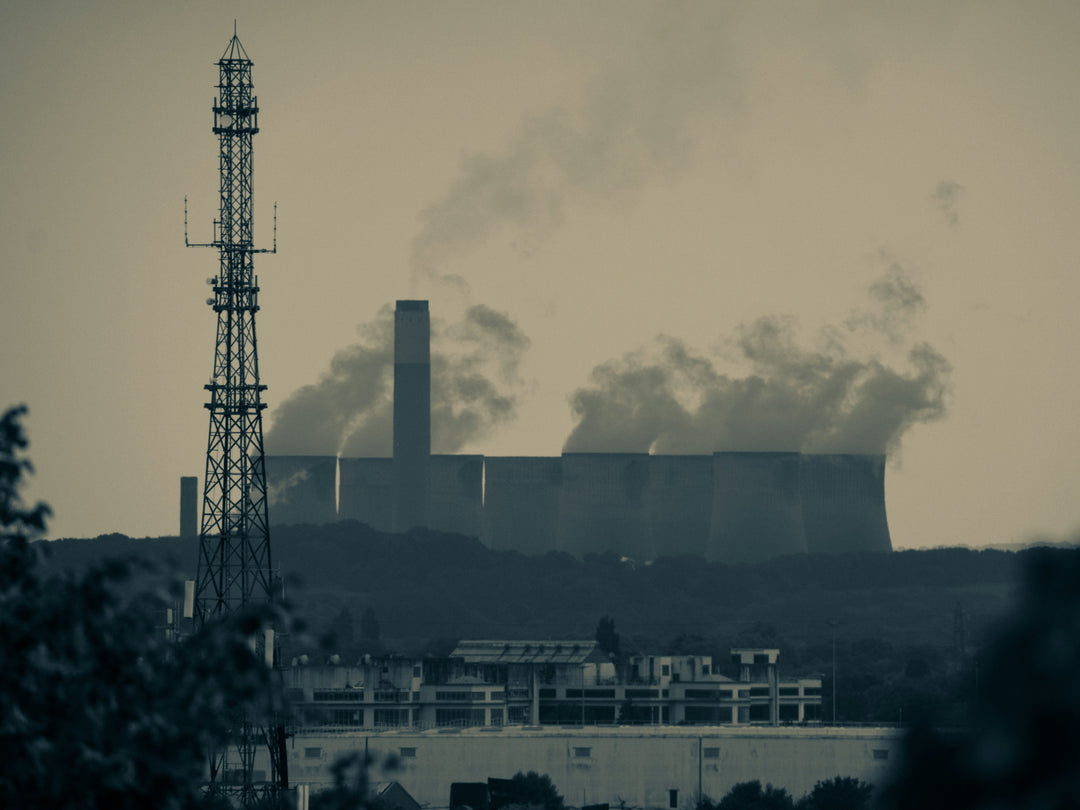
(234, 548)
(234, 565)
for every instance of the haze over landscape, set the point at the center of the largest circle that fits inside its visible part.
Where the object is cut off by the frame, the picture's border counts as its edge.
(686, 227)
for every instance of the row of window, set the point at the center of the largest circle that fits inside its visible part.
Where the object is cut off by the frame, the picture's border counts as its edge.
(580, 752)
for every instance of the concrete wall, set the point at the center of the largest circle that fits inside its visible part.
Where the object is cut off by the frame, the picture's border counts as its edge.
(521, 503)
(301, 489)
(457, 494)
(604, 504)
(189, 506)
(366, 491)
(412, 414)
(756, 507)
(616, 765)
(843, 503)
(680, 503)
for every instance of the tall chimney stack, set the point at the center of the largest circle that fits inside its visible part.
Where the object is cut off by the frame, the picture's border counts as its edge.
(412, 414)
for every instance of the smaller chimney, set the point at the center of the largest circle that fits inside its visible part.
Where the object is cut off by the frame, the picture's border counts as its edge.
(189, 506)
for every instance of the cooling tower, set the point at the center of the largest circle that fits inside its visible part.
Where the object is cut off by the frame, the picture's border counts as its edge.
(604, 505)
(366, 491)
(680, 504)
(301, 489)
(756, 509)
(412, 414)
(843, 503)
(189, 506)
(521, 503)
(457, 494)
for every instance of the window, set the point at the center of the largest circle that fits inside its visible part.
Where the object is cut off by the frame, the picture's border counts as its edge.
(881, 753)
(416, 672)
(459, 718)
(665, 669)
(316, 753)
(581, 753)
(711, 753)
(391, 717)
(407, 753)
(704, 669)
(463, 696)
(789, 691)
(673, 798)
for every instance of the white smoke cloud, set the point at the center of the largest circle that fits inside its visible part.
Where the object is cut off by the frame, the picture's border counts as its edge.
(781, 396)
(634, 122)
(475, 388)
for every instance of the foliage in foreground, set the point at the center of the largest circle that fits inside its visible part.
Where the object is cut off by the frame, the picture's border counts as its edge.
(97, 707)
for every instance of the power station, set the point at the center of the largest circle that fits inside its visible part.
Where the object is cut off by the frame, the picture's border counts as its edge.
(729, 507)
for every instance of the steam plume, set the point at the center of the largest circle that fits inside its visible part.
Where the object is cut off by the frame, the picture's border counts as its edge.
(670, 399)
(474, 389)
(947, 197)
(633, 123)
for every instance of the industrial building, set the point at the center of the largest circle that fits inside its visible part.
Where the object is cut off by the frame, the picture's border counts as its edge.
(656, 732)
(491, 684)
(725, 506)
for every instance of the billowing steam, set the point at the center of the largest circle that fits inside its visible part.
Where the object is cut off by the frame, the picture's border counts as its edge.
(669, 399)
(474, 389)
(947, 197)
(633, 123)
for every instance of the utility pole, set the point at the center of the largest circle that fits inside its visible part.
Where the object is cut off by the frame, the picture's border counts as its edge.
(832, 626)
(234, 564)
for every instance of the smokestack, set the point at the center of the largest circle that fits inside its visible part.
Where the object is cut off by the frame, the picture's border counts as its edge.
(412, 414)
(189, 506)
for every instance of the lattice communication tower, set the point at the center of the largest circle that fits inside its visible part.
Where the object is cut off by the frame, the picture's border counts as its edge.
(234, 566)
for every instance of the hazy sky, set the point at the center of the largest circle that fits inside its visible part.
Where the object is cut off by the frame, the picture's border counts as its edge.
(880, 197)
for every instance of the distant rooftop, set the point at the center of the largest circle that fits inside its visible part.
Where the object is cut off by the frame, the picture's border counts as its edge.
(410, 305)
(527, 652)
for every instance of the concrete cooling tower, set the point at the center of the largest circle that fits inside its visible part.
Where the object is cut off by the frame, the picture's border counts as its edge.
(680, 504)
(457, 494)
(521, 503)
(756, 507)
(301, 489)
(366, 491)
(604, 505)
(843, 503)
(412, 414)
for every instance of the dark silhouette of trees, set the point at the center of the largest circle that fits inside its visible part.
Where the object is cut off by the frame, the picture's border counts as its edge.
(369, 625)
(838, 793)
(535, 790)
(1021, 743)
(750, 796)
(606, 637)
(97, 707)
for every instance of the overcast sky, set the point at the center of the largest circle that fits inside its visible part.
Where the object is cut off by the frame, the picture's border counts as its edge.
(690, 196)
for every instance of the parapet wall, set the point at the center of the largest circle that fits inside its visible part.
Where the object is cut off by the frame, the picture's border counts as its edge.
(658, 767)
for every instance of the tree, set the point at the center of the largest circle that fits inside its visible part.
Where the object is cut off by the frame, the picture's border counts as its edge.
(606, 637)
(369, 625)
(838, 793)
(751, 796)
(97, 708)
(1020, 746)
(535, 790)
